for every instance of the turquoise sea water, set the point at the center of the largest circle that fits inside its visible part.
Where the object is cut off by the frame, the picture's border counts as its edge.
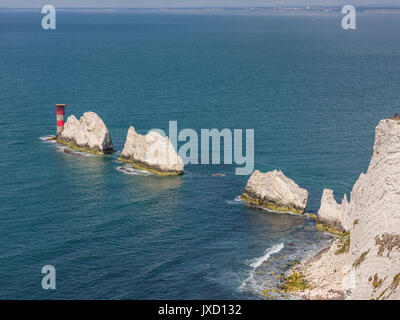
(312, 92)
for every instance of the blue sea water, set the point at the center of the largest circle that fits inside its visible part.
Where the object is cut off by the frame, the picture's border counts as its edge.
(312, 92)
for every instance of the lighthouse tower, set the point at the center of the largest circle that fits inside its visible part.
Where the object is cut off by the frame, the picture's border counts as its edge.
(60, 117)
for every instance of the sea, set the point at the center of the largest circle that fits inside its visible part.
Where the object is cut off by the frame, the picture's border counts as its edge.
(312, 91)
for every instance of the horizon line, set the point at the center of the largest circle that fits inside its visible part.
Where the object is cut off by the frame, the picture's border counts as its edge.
(209, 7)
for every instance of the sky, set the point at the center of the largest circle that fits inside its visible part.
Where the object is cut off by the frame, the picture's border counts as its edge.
(191, 3)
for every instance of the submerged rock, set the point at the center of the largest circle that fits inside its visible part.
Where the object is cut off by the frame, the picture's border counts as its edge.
(88, 134)
(332, 214)
(151, 152)
(274, 191)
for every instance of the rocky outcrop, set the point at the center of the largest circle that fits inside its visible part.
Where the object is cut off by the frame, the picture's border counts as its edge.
(276, 192)
(332, 214)
(370, 262)
(88, 134)
(151, 152)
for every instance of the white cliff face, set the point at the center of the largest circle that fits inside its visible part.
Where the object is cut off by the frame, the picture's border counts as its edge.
(372, 218)
(152, 151)
(333, 214)
(275, 191)
(89, 132)
(375, 214)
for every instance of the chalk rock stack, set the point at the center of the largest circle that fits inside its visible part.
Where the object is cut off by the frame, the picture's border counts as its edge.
(333, 214)
(88, 134)
(151, 152)
(276, 192)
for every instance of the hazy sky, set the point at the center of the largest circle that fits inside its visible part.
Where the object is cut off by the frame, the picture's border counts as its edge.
(184, 3)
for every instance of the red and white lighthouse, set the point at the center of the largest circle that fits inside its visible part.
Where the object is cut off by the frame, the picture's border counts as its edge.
(60, 117)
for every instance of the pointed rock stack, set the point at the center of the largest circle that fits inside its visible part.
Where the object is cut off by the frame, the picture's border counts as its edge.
(151, 152)
(88, 134)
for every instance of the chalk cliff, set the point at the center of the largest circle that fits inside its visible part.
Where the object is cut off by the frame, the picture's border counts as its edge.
(88, 134)
(375, 215)
(151, 152)
(368, 256)
(274, 191)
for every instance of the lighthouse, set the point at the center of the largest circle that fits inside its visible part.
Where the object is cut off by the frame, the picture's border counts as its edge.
(60, 117)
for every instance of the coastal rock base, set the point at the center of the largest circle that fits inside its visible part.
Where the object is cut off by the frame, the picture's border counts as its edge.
(74, 146)
(325, 274)
(143, 166)
(253, 200)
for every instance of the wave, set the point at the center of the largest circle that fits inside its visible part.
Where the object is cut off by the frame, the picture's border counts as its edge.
(258, 261)
(251, 283)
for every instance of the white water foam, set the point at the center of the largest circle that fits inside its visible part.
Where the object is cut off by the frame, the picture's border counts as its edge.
(236, 201)
(258, 261)
(45, 139)
(132, 171)
(65, 149)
